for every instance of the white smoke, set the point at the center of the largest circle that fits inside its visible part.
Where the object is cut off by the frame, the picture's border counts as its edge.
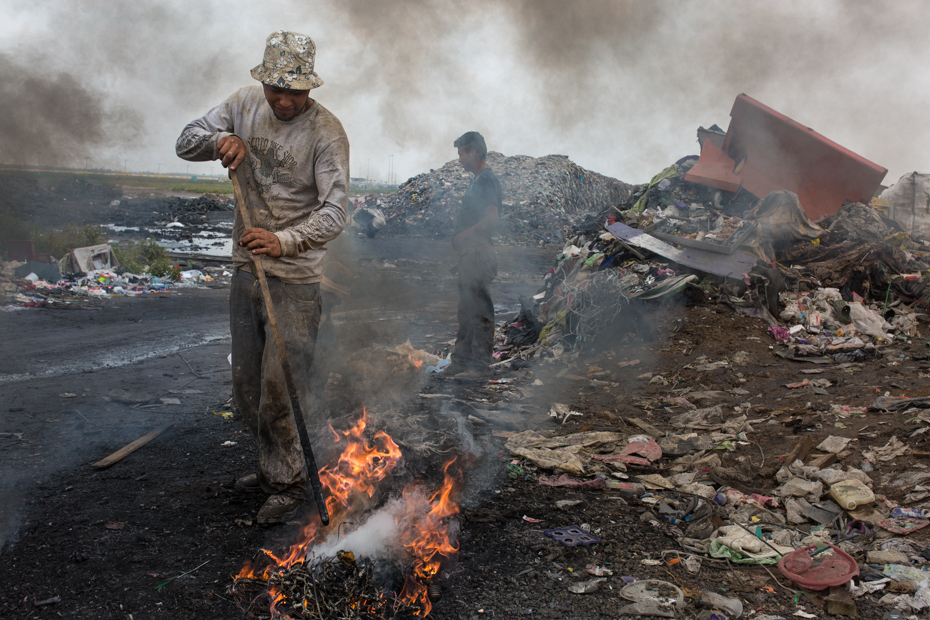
(376, 537)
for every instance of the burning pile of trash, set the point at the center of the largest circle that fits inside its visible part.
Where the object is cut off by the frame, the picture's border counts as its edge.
(376, 557)
(543, 198)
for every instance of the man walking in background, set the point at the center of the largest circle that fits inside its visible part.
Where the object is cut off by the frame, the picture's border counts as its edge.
(295, 158)
(475, 225)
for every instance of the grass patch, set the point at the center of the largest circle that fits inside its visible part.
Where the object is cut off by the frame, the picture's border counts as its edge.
(58, 243)
(146, 256)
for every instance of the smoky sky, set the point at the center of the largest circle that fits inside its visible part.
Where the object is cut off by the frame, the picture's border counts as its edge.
(55, 119)
(618, 86)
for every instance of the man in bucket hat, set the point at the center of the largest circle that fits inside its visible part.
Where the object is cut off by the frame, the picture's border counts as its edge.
(297, 184)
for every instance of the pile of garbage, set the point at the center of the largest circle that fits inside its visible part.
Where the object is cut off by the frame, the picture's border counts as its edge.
(200, 225)
(165, 211)
(836, 288)
(21, 287)
(822, 525)
(543, 198)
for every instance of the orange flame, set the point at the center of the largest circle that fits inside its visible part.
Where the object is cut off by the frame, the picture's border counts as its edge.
(416, 363)
(347, 484)
(360, 466)
(427, 534)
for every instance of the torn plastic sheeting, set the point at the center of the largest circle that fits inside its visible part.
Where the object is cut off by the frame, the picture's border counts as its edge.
(698, 419)
(567, 481)
(781, 218)
(586, 587)
(652, 597)
(532, 439)
(891, 450)
(648, 452)
(869, 322)
(798, 487)
(833, 444)
(720, 550)
(723, 265)
(903, 525)
(552, 459)
(891, 403)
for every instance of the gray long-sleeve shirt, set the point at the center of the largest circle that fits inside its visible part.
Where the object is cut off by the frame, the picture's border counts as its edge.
(296, 175)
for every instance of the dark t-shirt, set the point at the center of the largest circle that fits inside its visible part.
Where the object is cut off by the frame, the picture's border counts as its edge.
(485, 189)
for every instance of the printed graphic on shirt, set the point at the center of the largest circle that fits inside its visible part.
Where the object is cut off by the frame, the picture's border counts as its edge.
(194, 143)
(270, 163)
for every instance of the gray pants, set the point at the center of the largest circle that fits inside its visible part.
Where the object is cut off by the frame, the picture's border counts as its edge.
(474, 342)
(258, 380)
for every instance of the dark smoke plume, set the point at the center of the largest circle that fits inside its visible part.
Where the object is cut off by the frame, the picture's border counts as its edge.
(51, 118)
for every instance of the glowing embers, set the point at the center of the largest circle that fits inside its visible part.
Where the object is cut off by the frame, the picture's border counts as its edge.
(399, 544)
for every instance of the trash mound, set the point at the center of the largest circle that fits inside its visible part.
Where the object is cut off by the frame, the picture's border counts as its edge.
(184, 225)
(19, 292)
(543, 198)
(166, 210)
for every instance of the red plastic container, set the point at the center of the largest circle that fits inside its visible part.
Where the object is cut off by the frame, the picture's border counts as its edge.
(825, 570)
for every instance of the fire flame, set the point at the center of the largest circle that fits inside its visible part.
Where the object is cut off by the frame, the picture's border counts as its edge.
(427, 530)
(429, 533)
(347, 484)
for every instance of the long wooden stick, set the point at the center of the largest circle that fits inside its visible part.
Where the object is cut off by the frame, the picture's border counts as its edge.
(299, 422)
(128, 449)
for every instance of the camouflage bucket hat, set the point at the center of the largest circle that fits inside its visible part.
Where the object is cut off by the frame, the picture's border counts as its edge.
(288, 62)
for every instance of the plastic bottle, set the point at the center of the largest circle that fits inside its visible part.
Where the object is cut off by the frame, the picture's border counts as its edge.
(851, 493)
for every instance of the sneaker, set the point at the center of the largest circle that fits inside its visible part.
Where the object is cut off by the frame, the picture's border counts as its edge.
(277, 509)
(249, 483)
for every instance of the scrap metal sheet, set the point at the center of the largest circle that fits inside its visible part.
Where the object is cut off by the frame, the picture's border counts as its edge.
(724, 265)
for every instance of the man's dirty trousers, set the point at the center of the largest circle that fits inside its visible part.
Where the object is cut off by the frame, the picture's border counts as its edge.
(258, 380)
(474, 342)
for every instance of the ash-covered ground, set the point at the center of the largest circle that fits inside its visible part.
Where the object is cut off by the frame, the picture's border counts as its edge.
(96, 544)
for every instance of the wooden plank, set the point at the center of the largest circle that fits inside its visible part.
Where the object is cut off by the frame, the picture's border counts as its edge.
(822, 460)
(129, 448)
(799, 452)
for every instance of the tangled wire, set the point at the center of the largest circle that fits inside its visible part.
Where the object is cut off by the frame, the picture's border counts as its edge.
(597, 303)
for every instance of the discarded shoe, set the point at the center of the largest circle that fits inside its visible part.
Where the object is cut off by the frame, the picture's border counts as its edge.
(277, 508)
(249, 483)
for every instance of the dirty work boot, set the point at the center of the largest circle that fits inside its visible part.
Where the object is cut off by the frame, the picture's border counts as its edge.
(248, 483)
(277, 509)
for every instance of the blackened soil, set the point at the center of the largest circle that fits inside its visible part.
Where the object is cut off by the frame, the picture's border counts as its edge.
(103, 540)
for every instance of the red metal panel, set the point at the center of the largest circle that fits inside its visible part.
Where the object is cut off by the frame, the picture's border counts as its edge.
(780, 153)
(714, 169)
